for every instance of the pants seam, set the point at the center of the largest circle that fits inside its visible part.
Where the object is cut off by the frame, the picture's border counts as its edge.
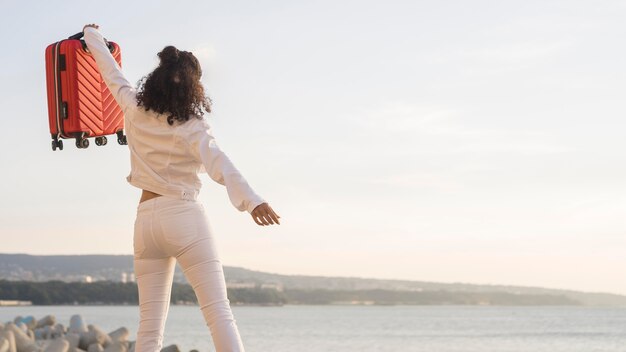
(189, 246)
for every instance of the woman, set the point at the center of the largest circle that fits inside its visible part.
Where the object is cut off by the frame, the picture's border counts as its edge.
(170, 143)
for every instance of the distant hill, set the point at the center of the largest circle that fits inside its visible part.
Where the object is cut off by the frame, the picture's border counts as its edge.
(111, 267)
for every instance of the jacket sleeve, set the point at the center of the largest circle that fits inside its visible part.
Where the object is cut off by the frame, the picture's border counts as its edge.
(120, 87)
(219, 167)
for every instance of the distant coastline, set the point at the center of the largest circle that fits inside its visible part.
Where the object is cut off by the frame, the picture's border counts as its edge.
(117, 293)
(82, 275)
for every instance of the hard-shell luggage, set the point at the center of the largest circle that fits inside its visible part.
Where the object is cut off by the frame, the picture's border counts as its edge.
(80, 105)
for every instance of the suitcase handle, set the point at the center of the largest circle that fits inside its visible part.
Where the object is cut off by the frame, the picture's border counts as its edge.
(79, 35)
(76, 36)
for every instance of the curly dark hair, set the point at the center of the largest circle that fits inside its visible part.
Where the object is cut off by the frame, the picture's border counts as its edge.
(174, 87)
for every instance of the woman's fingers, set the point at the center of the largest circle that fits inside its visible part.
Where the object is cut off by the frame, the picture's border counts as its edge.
(265, 215)
(273, 212)
(273, 216)
(263, 220)
(256, 220)
(91, 25)
(259, 216)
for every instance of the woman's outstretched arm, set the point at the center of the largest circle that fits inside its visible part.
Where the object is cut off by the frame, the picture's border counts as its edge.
(219, 167)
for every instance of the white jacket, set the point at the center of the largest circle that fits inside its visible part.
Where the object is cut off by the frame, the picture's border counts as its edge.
(167, 159)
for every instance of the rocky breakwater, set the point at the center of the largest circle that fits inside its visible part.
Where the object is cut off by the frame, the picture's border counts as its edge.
(27, 334)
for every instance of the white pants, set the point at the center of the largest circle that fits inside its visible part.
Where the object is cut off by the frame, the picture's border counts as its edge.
(169, 230)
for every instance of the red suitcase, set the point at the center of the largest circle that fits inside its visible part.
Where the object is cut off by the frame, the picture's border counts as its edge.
(79, 103)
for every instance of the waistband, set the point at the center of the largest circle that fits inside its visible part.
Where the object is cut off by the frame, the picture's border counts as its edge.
(161, 201)
(172, 192)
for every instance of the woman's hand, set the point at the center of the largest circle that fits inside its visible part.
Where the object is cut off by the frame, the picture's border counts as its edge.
(93, 25)
(263, 215)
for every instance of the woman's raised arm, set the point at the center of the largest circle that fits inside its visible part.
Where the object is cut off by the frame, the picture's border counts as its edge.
(120, 87)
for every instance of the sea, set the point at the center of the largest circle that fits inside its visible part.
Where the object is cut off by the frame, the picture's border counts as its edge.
(297, 328)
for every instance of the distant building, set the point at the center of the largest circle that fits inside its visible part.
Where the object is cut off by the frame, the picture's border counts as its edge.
(240, 285)
(87, 279)
(277, 287)
(6, 303)
(131, 277)
(270, 286)
(124, 277)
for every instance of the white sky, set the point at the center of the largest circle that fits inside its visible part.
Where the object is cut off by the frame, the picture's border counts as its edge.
(448, 141)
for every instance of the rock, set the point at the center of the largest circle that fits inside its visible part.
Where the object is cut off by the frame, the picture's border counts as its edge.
(93, 335)
(58, 345)
(4, 345)
(41, 333)
(171, 348)
(10, 336)
(23, 343)
(22, 326)
(73, 338)
(29, 321)
(116, 346)
(75, 349)
(77, 324)
(49, 332)
(95, 347)
(47, 320)
(120, 334)
(58, 330)
(104, 338)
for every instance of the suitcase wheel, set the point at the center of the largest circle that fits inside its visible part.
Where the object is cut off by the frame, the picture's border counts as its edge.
(121, 138)
(82, 143)
(101, 141)
(57, 144)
